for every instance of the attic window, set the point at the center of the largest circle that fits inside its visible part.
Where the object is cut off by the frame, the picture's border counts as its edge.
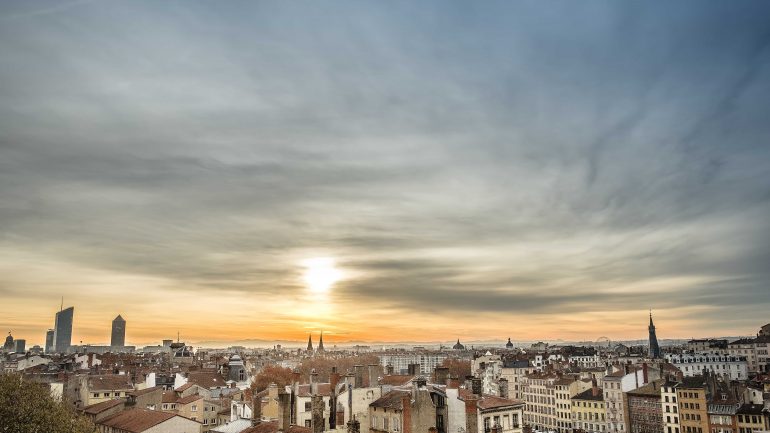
(724, 396)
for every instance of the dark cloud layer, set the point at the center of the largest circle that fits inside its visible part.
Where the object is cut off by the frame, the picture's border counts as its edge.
(453, 156)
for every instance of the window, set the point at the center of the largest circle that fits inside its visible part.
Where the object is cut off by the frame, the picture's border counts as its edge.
(194, 408)
(384, 423)
(307, 406)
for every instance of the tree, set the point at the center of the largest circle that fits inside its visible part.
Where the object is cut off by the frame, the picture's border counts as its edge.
(27, 407)
(272, 374)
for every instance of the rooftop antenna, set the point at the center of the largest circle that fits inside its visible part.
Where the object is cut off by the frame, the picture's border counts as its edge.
(62, 304)
(177, 336)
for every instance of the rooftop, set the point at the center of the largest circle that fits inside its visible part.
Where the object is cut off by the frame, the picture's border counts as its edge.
(136, 420)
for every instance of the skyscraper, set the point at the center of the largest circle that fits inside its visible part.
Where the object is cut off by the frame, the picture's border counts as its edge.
(118, 332)
(49, 341)
(62, 334)
(654, 351)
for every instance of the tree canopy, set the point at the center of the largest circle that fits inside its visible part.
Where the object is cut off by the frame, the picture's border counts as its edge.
(27, 407)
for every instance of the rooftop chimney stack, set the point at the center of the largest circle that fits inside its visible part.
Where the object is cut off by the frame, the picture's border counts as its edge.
(256, 408)
(359, 369)
(374, 374)
(313, 382)
(502, 385)
(476, 386)
(284, 403)
(334, 379)
(442, 375)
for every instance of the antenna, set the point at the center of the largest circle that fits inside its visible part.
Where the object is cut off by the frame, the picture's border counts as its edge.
(62, 304)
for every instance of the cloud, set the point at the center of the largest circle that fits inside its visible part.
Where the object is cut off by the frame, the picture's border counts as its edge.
(477, 158)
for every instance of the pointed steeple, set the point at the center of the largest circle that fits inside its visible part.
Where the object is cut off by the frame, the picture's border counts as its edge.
(321, 342)
(654, 349)
(310, 343)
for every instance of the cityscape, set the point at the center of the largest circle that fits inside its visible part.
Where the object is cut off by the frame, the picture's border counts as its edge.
(369, 216)
(702, 385)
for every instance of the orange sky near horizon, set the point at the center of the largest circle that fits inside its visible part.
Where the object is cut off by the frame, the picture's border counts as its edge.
(157, 309)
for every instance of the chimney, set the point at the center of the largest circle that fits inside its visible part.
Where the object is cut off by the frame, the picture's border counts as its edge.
(256, 408)
(313, 382)
(359, 369)
(284, 404)
(502, 385)
(406, 414)
(389, 369)
(339, 417)
(476, 386)
(594, 386)
(442, 375)
(272, 391)
(645, 374)
(471, 415)
(469, 382)
(453, 383)
(334, 379)
(295, 376)
(317, 413)
(374, 374)
(354, 426)
(350, 379)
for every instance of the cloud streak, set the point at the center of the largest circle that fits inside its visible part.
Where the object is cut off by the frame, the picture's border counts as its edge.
(511, 160)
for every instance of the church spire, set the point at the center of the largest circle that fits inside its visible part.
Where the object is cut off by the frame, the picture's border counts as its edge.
(654, 350)
(310, 343)
(321, 342)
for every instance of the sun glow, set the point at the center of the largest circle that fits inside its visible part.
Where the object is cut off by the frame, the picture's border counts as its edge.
(320, 274)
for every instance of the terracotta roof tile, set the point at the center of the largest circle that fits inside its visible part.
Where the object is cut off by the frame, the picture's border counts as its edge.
(189, 399)
(492, 402)
(102, 406)
(272, 427)
(136, 420)
(391, 400)
(206, 379)
(324, 389)
(109, 382)
(139, 392)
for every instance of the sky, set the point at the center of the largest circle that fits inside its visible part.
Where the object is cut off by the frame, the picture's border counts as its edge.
(385, 171)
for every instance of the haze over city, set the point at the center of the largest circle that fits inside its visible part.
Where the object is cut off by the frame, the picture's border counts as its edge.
(394, 171)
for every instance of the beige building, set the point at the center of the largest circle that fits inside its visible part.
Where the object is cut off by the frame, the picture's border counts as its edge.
(751, 418)
(504, 413)
(693, 407)
(670, 407)
(539, 392)
(745, 347)
(566, 388)
(588, 411)
(514, 372)
(96, 389)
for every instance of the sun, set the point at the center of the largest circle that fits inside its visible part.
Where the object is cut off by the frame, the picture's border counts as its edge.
(320, 274)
